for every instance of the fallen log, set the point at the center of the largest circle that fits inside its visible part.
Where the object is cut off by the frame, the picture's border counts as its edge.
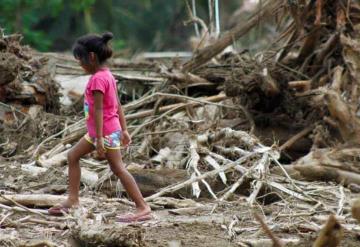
(341, 158)
(150, 181)
(108, 235)
(241, 137)
(33, 170)
(267, 242)
(56, 160)
(37, 243)
(319, 173)
(89, 178)
(173, 203)
(11, 240)
(40, 200)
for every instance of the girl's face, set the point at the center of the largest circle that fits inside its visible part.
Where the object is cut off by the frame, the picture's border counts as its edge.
(90, 66)
(86, 67)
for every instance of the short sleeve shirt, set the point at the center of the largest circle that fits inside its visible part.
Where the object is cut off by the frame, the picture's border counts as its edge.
(104, 82)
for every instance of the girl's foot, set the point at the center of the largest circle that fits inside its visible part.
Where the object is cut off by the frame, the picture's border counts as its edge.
(63, 208)
(131, 217)
(140, 215)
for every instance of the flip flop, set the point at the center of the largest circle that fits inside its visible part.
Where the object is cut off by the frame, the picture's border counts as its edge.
(131, 218)
(59, 210)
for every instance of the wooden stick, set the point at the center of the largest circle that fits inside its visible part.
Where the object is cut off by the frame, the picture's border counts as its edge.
(295, 138)
(210, 161)
(5, 217)
(21, 206)
(276, 241)
(148, 113)
(45, 222)
(315, 172)
(235, 186)
(194, 160)
(329, 46)
(262, 167)
(53, 136)
(239, 135)
(187, 78)
(149, 121)
(200, 100)
(341, 201)
(18, 209)
(319, 5)
(303, 85)
(269, 85)
(209, 52)
(12, 108)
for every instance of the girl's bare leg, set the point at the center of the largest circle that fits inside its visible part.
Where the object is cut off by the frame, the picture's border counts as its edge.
(128, 181)
(80, 149)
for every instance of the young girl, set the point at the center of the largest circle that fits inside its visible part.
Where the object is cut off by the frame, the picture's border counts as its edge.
(106, 126)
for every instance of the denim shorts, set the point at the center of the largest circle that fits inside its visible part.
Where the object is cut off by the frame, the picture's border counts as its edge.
(111, 141)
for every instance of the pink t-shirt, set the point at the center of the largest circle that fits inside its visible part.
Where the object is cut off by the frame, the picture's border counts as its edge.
(104, 82)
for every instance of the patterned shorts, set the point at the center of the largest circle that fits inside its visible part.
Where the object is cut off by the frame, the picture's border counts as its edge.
(111, 141)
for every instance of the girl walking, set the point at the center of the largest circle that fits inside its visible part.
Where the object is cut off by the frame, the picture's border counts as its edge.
(106, 126)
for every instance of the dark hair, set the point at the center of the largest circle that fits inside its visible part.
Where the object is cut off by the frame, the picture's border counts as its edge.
(93, 43)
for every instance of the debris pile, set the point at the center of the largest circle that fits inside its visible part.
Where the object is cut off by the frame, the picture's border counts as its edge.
(25, 80)
(241, 130)
(28, 95)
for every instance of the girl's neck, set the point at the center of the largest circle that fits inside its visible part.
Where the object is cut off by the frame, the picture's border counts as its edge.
(97, 69)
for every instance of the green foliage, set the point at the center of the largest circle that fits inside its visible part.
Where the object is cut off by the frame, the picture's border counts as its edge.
(118, 44)
(80, 5)
(141, 24)
(22, 15)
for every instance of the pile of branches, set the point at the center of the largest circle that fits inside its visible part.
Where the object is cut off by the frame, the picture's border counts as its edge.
(27, 88)
(306, 84)
(309, 86)
(26, 79)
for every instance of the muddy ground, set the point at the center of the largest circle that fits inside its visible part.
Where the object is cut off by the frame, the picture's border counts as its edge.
(212, 224)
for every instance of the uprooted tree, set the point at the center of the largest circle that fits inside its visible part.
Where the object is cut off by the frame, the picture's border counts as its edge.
(306, 84)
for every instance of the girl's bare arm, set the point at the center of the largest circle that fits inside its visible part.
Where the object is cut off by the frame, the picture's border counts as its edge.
(126, 138)
(122, 118)
(98, 111)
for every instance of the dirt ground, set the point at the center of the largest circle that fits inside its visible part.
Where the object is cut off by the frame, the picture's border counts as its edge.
(169, 230)
(216, 224)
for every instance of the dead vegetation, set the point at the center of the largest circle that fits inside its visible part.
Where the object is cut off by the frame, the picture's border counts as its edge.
(276, 134)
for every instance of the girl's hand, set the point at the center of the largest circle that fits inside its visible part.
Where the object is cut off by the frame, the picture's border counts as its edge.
(100, 147)
(126, 139)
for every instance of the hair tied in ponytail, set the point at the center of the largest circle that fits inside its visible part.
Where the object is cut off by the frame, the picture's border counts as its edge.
(93, 43)
(106, 37)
